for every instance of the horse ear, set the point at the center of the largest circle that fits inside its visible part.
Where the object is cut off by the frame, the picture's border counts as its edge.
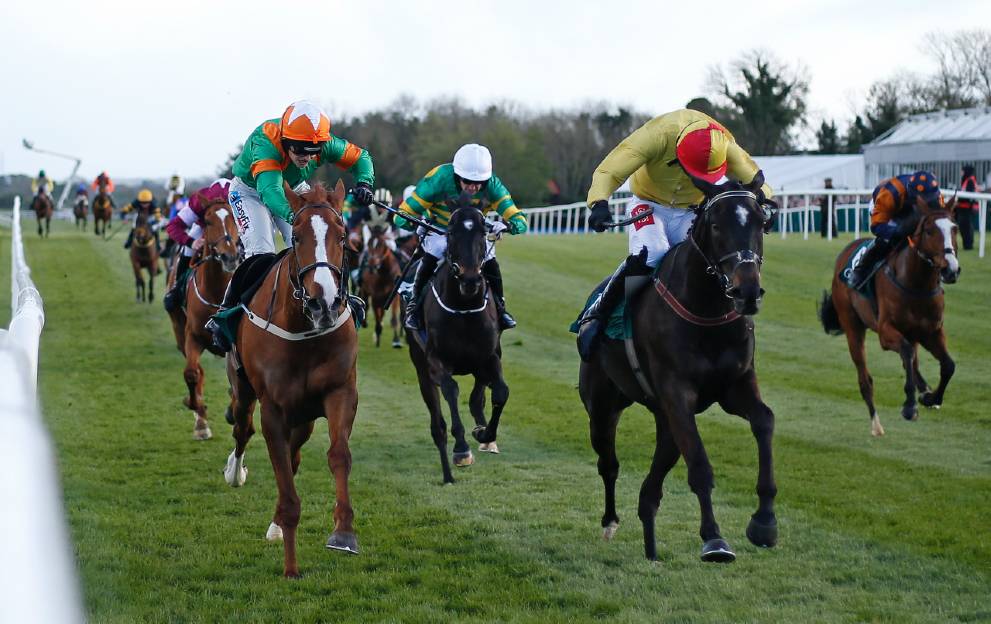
(757, 182)
(708, 188)
(337, 197)
(294, 200)
(450, 203)
(950, 205)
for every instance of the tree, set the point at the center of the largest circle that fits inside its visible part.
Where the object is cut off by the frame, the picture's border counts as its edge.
(828, 138)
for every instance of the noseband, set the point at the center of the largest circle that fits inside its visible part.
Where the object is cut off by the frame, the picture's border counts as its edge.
(299, 291)
(743, 256)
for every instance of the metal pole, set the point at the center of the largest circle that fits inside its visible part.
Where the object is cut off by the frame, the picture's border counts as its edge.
(65, 190)
(829, 217)
(982, 220)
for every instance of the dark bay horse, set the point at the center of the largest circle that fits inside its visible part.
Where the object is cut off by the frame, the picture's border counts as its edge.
(352, 251)
(909, 309)
(377, 281)
(81, 211)
(692, 345)
(299, 350)
(144, 255)
(102, 211)
(212, 267)
(462, 338)
(42, 206)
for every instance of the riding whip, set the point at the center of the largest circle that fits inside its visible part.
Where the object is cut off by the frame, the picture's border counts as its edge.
(411, 218)
(402, 276)
(125, 222)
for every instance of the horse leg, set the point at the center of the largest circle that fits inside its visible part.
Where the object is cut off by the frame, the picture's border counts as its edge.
(855, 337)
(936, 345)
(492, 374)
(394, 322)
(476, 404)
(139, 283)
(287, 509)
(242, 406)
(48, 226)
(297, 439)
(920, 383)
(892, 340)
(379, 313)
(462, 455)
(431, 398)
(666, 455)
(152, 272)
(41, 231)
(340, 407)
(193, 374)
(743, 399)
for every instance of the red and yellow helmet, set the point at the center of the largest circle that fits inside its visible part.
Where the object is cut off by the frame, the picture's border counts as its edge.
(304, 127)
(701, 150)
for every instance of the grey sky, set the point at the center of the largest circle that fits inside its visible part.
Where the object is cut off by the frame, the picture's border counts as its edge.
(140, 89)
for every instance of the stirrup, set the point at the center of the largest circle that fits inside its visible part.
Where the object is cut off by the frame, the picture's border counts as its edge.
(506, 320)
(589, 336)
(219, 337)
(412, 320)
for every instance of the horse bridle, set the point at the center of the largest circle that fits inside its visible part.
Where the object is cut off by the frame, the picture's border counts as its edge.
(931, 259)
(213, 250)
(744, 256)
(299, 291)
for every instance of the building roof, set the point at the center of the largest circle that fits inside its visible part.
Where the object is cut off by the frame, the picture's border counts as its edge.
(944, 136)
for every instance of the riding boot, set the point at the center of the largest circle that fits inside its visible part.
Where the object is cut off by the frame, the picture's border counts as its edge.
(171, 300)
(130, 239)
(876, 251)
(593, 322)
(428, 264)
(493, 275)
(232, 299)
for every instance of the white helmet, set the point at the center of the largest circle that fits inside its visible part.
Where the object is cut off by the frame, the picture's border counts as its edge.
(473, 162)
(408, 191)
(383, 195)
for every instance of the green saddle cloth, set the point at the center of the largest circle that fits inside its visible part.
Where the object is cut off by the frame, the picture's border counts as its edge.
(867, 290)
(619, 327)
(182, 281)
(228, 321)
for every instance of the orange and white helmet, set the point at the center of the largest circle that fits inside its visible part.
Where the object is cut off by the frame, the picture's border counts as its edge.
(304, 127)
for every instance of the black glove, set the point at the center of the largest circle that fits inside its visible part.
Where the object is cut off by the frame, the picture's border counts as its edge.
(599, 216)
(768, 205)
(362, 194)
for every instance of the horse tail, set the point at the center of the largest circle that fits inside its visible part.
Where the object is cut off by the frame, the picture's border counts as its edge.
(828, 315)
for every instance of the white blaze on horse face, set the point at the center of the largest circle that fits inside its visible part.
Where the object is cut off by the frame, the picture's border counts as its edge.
(322, 275)
(946, 227)
(741, 214)
(469, 224)
(222, 215)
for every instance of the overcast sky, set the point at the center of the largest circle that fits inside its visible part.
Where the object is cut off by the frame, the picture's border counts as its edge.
(140, 89)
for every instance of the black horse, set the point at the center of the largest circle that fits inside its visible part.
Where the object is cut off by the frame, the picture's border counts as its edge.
(461, 338)
(692, 345)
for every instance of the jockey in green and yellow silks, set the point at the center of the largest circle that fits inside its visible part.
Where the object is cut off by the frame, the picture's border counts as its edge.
(470, 171)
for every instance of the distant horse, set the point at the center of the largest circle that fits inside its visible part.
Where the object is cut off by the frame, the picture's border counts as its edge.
(299, 350)
(42, 206)
(144, 255)
(102, 211)
(81, 211)
(692, 345)
(406, 246)
(212, 267)
(462, 337)
(909, 309)
(377, 282)
(352, 251)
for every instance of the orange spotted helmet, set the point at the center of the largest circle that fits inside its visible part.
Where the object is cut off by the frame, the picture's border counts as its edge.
(922, 183)
(304, 127)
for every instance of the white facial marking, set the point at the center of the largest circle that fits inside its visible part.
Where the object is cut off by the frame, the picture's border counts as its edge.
(946, 227)
(322, 275)
(469, 224)
(222, 215)
(741, 214)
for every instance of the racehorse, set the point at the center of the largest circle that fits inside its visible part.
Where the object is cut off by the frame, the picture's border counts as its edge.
(81, 212)
(909, 309)
(692, 345)
(462, 337)
(144, 255)
(406, 246)
(377, 282)
(211, 269)
(102, 211)
(299, 351)
(42, 206)
(352, 251)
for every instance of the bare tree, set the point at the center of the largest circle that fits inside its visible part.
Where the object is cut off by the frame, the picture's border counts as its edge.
(975, 48)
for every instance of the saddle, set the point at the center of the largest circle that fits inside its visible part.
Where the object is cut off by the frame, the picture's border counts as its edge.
(867, 290)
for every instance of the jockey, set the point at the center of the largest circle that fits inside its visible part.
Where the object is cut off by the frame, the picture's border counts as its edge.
(144, 204)
(371, 216)
(186, 229)
(175, 186)
(659, 159)
(286, 150)
(105, 180)
(82, 193)
(43, 186)
(471, 171)
(891, 209)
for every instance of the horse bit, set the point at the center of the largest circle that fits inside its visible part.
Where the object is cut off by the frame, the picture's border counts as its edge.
(299, 292)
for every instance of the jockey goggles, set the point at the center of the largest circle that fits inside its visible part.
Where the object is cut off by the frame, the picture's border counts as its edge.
(303, 148)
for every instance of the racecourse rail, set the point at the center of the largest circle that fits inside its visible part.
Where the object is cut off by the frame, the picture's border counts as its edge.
(37, 572)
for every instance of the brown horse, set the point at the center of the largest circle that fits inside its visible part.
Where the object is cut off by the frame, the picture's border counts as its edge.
(212, 267)
(377, 282)
(692, 345)
(909, 309)
(144, 255)
(406, 246)
(103, 209)
(352, 251)
(42, 206)
(81, 211)
(299, 352)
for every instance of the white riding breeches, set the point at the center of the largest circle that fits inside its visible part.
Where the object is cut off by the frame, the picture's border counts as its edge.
(436, 244)
(658, 232)
(255, 220)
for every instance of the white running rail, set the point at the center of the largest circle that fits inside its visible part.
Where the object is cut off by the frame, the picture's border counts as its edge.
(37, 571)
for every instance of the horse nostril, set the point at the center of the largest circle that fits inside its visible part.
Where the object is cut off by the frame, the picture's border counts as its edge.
(760, 293)
(314, 305)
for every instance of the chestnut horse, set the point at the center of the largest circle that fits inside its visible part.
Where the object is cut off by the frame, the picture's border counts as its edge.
(206, 283)
(462, 337)
(102, 211)
(81, 211)
(42, 206)
(692, 345)
(909, 309)
(377, 282)
(299, 352)
(144, 255)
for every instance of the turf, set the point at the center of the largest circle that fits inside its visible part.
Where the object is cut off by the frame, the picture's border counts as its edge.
(872, 530)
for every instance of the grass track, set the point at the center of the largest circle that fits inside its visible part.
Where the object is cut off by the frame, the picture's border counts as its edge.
(889, 530)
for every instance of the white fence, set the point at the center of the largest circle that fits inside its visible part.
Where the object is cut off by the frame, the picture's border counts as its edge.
(799, 209)
(37, 570)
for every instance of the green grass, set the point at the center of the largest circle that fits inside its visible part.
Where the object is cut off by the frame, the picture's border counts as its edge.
(872, 530)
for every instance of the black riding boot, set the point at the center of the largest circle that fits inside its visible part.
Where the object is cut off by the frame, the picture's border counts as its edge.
(493, 275)
(171, 300)
(876, 251)
(428, 264)
(130, 239)
(232, 297)
(593, 323)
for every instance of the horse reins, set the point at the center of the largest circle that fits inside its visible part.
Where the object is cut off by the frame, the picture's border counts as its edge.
(744, 256)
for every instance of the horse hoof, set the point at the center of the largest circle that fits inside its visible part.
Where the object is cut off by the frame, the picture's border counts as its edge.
(274, 533)
(609, 531)
(762, 535)
(229, 416)
(717, 551)
(463, 460)
(910, 414)
(346, 542)
(397, 345)
(235, 473)
(202, 433)
(489, 448)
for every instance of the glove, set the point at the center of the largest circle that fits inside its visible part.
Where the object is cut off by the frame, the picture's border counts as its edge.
(362, 194)
(517, 224)
(599, 216)
(401, 222)
(498, 228)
